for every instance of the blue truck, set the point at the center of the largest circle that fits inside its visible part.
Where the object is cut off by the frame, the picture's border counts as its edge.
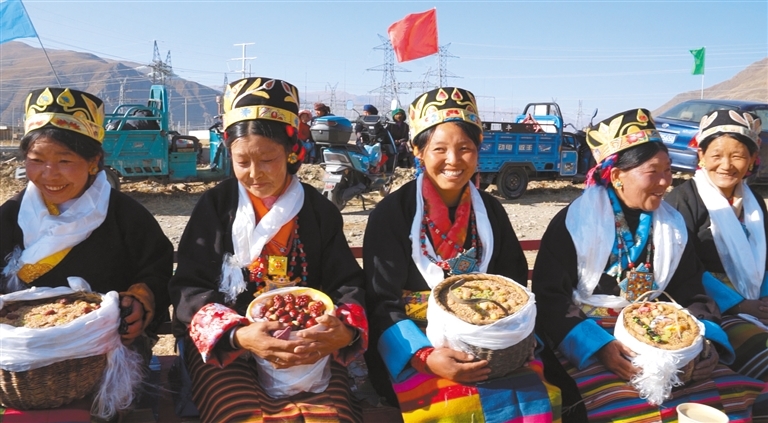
(139, 144)
(534, 147)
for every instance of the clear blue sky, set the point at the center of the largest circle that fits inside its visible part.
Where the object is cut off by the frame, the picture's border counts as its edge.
(611, 55)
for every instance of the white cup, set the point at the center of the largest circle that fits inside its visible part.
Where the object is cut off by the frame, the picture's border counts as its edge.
(691, 412)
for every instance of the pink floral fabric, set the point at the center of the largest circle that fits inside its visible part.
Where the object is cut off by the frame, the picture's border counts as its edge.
(353, 315)
(208, 325)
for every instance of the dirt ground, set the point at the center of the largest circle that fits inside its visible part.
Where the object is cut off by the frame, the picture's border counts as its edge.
(172, 203)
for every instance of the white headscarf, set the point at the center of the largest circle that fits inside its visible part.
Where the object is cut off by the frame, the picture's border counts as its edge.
(745, 269)
(249, 238)
(46, 234)
(590, 221)
(431, 272)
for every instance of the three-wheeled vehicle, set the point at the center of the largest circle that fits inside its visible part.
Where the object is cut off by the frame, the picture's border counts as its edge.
(534, 147)
(138, 144)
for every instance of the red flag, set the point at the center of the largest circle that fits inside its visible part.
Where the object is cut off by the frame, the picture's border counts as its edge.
(415, 36)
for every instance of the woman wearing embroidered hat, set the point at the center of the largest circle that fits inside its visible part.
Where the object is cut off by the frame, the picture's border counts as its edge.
(441, 224)
(69, 222)
(246, 235)
(728, 223)
(609, 246)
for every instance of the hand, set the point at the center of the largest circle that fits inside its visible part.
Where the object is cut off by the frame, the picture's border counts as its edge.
(322, 342)
(132, 324)
(616, 357)
(457, 366)
(257, 338)
(756, 308)
(705, 363)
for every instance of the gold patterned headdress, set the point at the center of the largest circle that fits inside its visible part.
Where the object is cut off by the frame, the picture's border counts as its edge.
(620, 132)
(261, 98)
(64, 108)
(442, 105)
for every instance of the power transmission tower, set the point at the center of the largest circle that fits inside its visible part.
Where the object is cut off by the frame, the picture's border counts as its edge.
(388, 89)
(442, 73)
(121, 99)
(579, 114)
(242, 58)
(332, 89)
(161, 71)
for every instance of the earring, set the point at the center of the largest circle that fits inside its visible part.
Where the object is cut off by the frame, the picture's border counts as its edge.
(419, 166)
(293, 158)
(702, 164)
(92, 171)
(751, 167)
(618, 185)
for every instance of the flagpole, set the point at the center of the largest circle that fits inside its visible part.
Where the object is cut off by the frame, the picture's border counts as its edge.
(42, 46)
(702, 86)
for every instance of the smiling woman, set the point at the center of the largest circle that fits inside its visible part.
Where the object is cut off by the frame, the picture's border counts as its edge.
(68, 222)
(436, 226)
(617, 242)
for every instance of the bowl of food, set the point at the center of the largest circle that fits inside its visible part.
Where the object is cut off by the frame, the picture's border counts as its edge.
(484, 300)
(295, 306)
(664, 326)
(58, 383)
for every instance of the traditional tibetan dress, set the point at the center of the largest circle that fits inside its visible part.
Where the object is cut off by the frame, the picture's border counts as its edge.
(412, 242)
(730, 240)
(595, 257)
(236, 246)
(94, 237)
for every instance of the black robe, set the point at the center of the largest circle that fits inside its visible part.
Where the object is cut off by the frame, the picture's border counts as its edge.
(389, 268)
(331, 266)
(129, 247)
(686, 199)
(555, 276)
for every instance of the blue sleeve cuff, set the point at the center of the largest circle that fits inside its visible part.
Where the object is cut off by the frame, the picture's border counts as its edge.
(724, 296)
(583, 341)
(764, 286)
(716, 334)
(399, 343)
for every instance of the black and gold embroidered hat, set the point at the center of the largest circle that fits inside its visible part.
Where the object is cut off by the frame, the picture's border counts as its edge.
(261, 98)
(440, 105)
(620, 132)
(744, 125)
(65, 108)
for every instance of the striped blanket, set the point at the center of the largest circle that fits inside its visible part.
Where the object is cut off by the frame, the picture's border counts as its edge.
(522, 397)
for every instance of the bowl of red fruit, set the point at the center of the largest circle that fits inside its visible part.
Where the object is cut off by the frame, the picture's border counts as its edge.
(295, 306)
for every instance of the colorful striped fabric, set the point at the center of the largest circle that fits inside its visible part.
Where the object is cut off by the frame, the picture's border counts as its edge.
(751, 345)
(608, 398)
(232, 394)
(522, 397)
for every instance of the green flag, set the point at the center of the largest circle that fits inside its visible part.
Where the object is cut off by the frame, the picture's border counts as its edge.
(698, 61)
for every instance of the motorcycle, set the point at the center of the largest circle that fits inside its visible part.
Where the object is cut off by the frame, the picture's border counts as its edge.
(352, 170)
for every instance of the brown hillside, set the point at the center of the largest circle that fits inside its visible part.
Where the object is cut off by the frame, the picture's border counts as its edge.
(24, 68)
(749, 84)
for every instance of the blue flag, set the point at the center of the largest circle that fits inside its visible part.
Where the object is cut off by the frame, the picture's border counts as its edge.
(14, 21)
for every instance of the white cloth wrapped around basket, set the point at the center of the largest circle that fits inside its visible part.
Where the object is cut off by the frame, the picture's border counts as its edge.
(95, 333)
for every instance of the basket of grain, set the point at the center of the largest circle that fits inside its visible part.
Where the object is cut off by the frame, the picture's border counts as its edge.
(61, 344)
(666, 339)
(488, 316)
(58, 383)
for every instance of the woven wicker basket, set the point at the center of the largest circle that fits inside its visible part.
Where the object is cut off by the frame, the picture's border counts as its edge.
(53, 385)
(501, 362)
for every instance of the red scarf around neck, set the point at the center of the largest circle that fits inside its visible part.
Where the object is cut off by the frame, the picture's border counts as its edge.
(447, 238)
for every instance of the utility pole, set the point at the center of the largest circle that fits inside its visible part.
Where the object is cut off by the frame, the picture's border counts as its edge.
(242, 58)
(186, 122)
(579, 114)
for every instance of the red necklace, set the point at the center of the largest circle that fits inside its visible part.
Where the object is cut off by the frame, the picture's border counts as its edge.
(428, 224)
(258, 269)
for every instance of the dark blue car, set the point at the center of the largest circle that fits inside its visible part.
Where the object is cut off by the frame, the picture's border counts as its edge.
(678, 127)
